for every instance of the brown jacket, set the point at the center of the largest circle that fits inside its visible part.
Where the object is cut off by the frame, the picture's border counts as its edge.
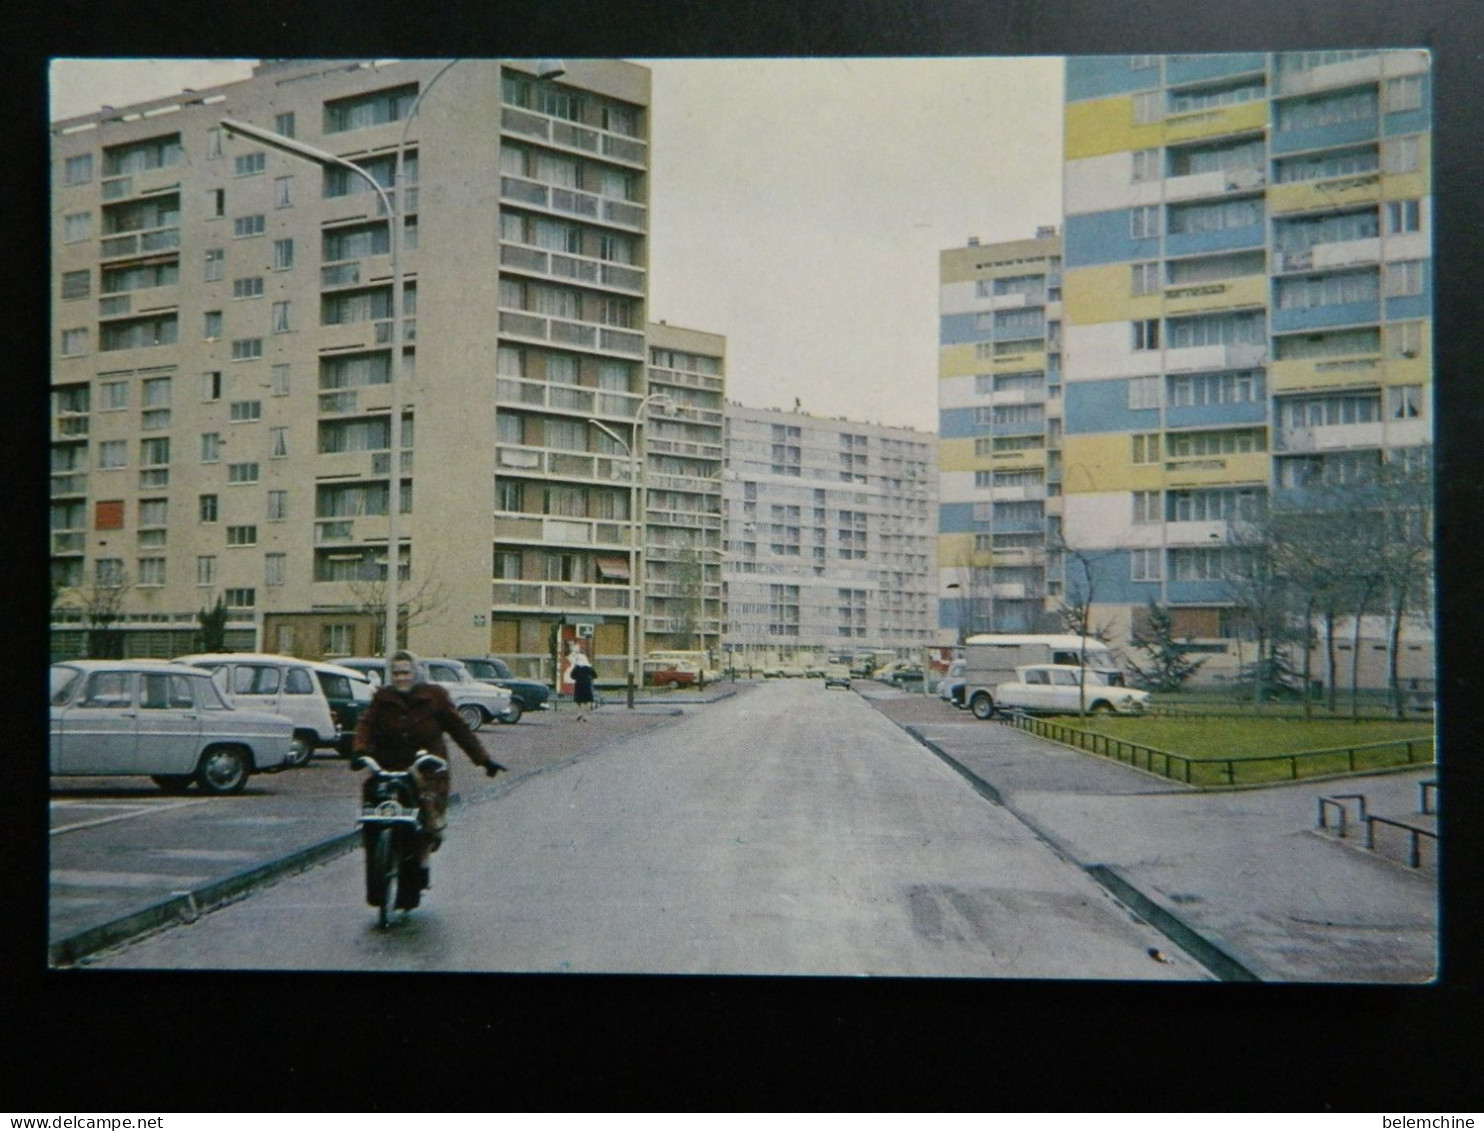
(397, 725)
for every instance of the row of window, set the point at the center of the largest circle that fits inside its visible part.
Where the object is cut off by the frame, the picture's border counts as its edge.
(1393, 95)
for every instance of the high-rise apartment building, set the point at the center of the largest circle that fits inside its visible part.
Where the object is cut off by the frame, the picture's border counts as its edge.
(222, 354)
(1247, 308)
(1000, 423)
(829, 534)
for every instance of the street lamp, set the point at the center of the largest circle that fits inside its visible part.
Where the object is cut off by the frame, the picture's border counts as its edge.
(637, 507)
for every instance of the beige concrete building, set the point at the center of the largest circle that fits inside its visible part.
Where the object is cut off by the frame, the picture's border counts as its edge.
(222, 351)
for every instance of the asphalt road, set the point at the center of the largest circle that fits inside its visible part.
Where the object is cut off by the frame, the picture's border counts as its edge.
(787, 830)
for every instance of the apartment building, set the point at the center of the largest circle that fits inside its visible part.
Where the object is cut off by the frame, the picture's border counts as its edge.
(223, 353)
(830, 540)
(1247, 307)
(1000, 425)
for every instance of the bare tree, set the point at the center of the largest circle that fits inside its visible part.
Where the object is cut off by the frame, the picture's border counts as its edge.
(1079, 588)
(420, 596)
(102, 604)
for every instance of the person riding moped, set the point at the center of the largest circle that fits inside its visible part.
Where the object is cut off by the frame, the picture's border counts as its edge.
(405, 718)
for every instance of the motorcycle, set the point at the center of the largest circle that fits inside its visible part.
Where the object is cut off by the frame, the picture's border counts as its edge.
(391, 834)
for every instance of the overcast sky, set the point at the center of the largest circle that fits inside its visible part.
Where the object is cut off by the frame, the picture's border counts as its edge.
(797, 206)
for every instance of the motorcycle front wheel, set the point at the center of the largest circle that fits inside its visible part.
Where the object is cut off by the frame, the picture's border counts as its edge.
(384, 870)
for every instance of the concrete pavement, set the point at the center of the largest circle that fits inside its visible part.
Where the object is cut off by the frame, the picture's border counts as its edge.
(1246, 870)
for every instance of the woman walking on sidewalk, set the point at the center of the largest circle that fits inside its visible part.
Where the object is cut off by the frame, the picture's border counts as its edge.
(580, 673)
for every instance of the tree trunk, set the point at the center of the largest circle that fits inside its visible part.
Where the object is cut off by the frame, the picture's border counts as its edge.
(1393, 659)
(1308, 661)
(1329, 656)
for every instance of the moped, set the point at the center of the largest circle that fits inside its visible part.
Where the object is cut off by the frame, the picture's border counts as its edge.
(391, 834)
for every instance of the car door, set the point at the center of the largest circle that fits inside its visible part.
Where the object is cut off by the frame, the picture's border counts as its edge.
(256, 686)
(169, 724)
(1035, 692)
(305, 703)
(98, 733)
(1068, 691)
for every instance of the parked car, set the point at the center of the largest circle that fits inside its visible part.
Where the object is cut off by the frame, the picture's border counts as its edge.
(784, 671)
(167, 720)
(667, 675)
(349, 693)
(476, 701)
(951, 686)
(525, 694)
(282, 685)
(1058, 689)
(837, 677)
(902, 676)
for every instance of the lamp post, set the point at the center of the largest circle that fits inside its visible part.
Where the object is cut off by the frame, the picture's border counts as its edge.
(395, 207)
(637, 508)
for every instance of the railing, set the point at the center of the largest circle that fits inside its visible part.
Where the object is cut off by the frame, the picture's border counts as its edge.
(1247, 769)
(136, 243)
(1336, 801)
(568, 267)
(1415, 833)
(560, 595)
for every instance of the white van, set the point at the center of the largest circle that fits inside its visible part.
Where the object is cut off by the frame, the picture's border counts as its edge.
(991, 659)
(281, 684)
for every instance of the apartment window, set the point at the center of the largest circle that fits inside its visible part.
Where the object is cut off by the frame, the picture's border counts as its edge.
(242, 411)
(1147, 506)
(246, 349)
(281, 318)
(1216, 443)
(1145, 447)
(1310, 291)
(206, 508)
(278, 380)
(337, 639)
(1403, 93)
(251, 287)
(1404, 278)
(154, 452)
(250, 164)
(283, 192)
(77, 284)
(1143, 221)
(113, 396)
(206, 569)
(1221, 504)
(1146, 165)
(1146, 334)
(1401, 154)
(216, 263)
(1143, 392)
(109, 572)
(1404, 339)
(1327, 109)
(211, 325)
(1217, 330)
(151, 571)
(242, 473)
(1244, 387)
(211, 385)
(373, 109)
(283, 255)
(283, 124)
(74, 341)
(275, 568)
(278, 506)
(1216, 216)
(1404, 402)
(1144, 565)
(1145, 278)
(77, 227)
(216, 202)
(1403, 216)
(78, 170)
(1323, 166)
(1147, 107)
(278, 443)
(242, 536)
(240, 598)
(246, 226)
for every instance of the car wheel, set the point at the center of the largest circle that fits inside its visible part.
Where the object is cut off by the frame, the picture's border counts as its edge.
(1101, 708)
(513, 715)
(223, 769)
(473, 717)
(982, 705)
(301, 749)
(172, 783)
(676, 684)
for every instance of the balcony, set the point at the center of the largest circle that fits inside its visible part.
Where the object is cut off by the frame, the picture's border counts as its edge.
(1323, 372)
(71, 426)
(1195, 359)
(1218, 182)
(556, 596)
(572, 268)
(596, 533)
(657, 446)
(68, 541)
(1330, 437)
(677, 378)
(566, 398)
(71, 483)
(1204, 532)
(545, 463)
(570, 135)
(1333, 192)
(563, 331)
(572, 202)
(139, 243)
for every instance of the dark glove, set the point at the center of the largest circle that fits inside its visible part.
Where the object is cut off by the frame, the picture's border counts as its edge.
(491, 768)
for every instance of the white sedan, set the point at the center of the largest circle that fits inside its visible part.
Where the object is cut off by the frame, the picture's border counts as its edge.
(1065, 689)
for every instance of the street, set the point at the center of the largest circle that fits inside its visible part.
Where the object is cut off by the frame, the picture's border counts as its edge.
(787, 830)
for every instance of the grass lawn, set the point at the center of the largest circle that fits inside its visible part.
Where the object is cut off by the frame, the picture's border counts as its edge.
(1210, 743)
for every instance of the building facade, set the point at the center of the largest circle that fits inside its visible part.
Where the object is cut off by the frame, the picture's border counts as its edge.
(223, 351)
(1247, 308)
(1000, 426)
(830, 539)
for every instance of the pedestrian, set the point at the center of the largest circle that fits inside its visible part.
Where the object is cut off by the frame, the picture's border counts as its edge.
(410, 716)
(580, 674)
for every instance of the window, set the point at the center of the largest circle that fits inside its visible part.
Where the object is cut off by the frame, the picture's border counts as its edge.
(1214, 443)
(1147, 506)
(113, 395)
(242, 411)
(1145, 447)
(216, 262)
(1146, 165)
(211, 385)
(1403, 216)
(245, 349)
(1404, 278)
(1144, 565)
(1404, 402)
(283, 192)
(278, 442)
(240, 598)
(283, 255)
(1403, 93)
(246, 226)
(1212, 97)
(74, 341)
(1243, 387)
(251, 287)
(283, 124)
(1327, 165)
(77, 227)
(206, 508)
(373, 109)
(250, 164)
(1401, 154)
(206, 569)
(1145, 278)
(278, 506)
(1143, 392)
(1217, 330)
(1216, 216)
(242, 536)
(1221, 504)
(151, 571)
(242, 473)
(337, 639)
(275, 569)
(137, 156)
(509, 495)
(278, 380)
(281, 318)
(1146, 334)
(78, 170)
(1327, 109)
(1144, 221)
(77, 284)
(154, 452)
(211, 447)
(1404, 339)
(211, 325)
(1310, 291)
(216, 203)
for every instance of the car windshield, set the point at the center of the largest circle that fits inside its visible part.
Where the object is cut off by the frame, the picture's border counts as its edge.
(63, 680)
(208, 695)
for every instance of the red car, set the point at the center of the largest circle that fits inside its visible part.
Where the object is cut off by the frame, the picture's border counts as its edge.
(669, 677)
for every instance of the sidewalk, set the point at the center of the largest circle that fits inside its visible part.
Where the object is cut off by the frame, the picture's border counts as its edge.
(1246, 870)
